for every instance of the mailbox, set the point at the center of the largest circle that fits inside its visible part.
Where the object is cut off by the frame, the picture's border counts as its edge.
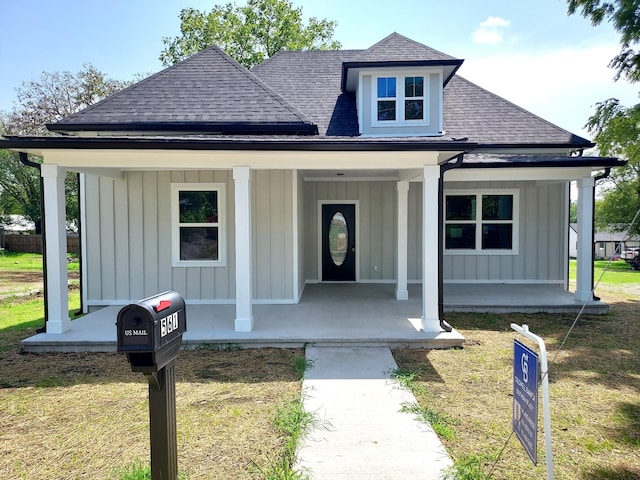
(150, 331)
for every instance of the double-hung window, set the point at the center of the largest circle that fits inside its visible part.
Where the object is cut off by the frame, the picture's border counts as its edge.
(483, 222)
(198, 224)
(405, 104)
(387, 99)
(414, 98)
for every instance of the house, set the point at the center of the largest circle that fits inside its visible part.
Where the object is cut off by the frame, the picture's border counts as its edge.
(370, 166)
(606, 244)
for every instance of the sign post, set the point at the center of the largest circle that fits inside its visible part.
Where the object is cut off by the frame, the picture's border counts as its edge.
(525, 395)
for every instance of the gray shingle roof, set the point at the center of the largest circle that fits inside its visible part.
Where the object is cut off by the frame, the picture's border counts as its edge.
(484, 117)
(397, 47)
(207, 88)
(469, 110)
(311, 80)
(302, 89)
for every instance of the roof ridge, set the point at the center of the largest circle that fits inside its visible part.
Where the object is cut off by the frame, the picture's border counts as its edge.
(223, 55)
(267, 89)
(128, 88)
(410, 40)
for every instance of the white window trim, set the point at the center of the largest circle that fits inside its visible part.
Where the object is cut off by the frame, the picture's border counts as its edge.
(400, 98)
(478, 222)
(176, 188)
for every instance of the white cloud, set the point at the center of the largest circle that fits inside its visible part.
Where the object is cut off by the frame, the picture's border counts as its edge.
(495, 22)
(562, 85)
(490, 31)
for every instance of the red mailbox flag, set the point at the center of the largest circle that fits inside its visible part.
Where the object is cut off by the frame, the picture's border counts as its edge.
(164, 304)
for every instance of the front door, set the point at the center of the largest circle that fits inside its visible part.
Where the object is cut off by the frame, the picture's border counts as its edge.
(339, 242)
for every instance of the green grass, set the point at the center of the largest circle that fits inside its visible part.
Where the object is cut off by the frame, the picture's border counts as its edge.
(27, 262)
(615, 273)
(139, 471)
(21, 314)
(292, 421)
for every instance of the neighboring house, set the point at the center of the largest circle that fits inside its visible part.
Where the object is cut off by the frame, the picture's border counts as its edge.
(606, 244)
(376, 165)
(16, 224)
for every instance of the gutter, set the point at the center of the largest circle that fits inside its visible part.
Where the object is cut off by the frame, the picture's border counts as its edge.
(445, 167)
(24, 159)
(307, 143)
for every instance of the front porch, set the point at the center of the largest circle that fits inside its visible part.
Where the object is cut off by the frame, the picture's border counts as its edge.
(328, 314)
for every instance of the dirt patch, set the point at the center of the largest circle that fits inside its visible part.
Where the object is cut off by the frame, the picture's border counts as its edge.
(19, 283)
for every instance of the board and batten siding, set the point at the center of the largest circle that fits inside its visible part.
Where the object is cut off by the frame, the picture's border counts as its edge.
(302, 247)
(542, 237)
(128, 237)
(376, 220)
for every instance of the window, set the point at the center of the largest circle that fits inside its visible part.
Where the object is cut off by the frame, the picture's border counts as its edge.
(404, 105)
(198, 224)
(483, 222)
(386, 99)
(414, 98)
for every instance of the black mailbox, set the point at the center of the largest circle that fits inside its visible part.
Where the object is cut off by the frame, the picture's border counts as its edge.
(150, 331)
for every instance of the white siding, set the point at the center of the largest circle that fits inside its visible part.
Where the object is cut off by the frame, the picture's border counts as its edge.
(377, 225)
(542, 241)
(128, 236)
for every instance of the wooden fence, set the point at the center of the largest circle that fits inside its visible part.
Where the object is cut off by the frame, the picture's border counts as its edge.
(33, 243)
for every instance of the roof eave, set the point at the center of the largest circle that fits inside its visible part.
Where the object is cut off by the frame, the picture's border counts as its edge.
(194, 143)
(213, 128)
(545, 162)
(455, 63)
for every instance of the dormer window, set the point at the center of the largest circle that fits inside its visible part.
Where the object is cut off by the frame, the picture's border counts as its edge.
(386, 99)
(414, 98)
(400, 100)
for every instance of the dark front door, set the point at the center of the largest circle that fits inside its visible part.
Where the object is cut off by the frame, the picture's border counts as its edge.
(339, 242)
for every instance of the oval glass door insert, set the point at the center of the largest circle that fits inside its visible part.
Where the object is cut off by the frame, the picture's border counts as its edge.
(338, 239)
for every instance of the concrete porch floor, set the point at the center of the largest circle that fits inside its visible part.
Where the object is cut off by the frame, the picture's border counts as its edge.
(328, 314)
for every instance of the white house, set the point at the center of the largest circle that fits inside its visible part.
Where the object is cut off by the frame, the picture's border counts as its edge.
(370, 166)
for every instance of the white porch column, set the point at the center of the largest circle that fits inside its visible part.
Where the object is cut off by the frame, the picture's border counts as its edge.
(430, 254)
(58, 320)
(403, 227)
(584, 263)
(244, 315)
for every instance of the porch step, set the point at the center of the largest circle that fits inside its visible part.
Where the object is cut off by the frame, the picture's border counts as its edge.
(360, 431)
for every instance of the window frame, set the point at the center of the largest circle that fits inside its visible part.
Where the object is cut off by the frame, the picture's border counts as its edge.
(400, 98)
(478, 222)
(176, 189)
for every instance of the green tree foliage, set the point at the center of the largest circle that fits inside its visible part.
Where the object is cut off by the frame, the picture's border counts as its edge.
(54, 96)
(616, 127)
(249, 33)
(20, 188)
(625, 17)
(617, 133)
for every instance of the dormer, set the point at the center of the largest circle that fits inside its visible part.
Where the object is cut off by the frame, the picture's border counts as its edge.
(399, 87)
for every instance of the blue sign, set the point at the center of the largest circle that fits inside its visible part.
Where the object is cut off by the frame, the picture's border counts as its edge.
(525, 397)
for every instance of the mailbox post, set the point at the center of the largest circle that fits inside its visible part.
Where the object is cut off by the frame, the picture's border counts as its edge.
(150, 333)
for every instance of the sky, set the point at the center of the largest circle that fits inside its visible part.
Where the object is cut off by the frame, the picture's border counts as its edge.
(529, 52)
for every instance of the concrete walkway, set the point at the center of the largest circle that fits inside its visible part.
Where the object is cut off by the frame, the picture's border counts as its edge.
(361, 432)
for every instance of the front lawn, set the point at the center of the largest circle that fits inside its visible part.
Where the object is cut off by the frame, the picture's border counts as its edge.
(594, 383)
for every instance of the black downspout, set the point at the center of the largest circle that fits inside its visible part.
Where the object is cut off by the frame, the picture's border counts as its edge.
(443, 168)
(24, 159)
(604, 174)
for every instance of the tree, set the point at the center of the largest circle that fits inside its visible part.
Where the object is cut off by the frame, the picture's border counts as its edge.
(249, 33)
(624, 15)
(56, 95)
(616, 127)
(20, 188)
(617, 133)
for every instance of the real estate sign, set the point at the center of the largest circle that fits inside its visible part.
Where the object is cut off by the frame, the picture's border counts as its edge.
(525, 397)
